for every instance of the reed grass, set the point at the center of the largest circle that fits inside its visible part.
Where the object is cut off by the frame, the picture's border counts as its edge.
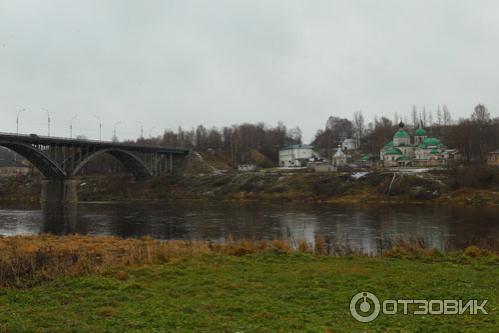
(26, 260)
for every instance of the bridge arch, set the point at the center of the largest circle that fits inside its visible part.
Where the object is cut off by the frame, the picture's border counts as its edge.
(130, 161)
(48, 167)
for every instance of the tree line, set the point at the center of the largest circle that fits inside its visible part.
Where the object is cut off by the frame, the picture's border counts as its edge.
(236, 141)
(474, 137)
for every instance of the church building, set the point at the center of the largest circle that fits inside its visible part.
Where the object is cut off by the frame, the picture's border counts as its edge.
(423, 151)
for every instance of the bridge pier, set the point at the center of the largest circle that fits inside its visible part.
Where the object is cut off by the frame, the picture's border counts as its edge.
(59, 190)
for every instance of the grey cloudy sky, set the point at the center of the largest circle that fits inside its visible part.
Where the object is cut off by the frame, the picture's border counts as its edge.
(171, 63)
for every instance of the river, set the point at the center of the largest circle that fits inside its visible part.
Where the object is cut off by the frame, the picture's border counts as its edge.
(363, 228)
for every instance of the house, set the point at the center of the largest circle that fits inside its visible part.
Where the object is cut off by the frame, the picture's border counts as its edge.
(246, 167)
(493, 158)
(423, 151)
(10, 168)
(349, 144)
(295, 155)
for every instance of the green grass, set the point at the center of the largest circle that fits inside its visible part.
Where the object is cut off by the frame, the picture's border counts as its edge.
(254, 293)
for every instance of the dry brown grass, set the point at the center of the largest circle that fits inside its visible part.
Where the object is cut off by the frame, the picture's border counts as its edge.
(25, 260)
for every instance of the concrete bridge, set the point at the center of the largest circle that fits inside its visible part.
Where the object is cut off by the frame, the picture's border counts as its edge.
(60, 160)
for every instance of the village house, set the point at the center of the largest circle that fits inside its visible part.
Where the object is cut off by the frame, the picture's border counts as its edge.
(423, 151)
(246, 167)
(349, 144)
(493, 158)
(10, 168)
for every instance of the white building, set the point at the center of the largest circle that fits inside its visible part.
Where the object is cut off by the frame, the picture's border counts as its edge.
(295, 155)
(349, 144)
(339, 158)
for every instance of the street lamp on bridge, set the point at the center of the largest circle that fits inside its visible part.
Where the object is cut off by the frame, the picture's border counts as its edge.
(17, 120)
(71, 126)
(100, 127)
(48, 120)
(115, 138)
(141, 128)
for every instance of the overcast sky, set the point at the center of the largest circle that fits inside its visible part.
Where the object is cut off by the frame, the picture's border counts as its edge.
(182, 63)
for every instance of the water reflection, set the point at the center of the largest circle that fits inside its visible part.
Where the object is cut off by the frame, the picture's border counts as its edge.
(360, 227)
(59, 219)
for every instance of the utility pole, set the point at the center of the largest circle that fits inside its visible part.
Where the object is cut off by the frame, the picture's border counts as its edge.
(17, 120)
(71, 126)
(115, 138)
(100, 127)
(141, 129)
(48, 120)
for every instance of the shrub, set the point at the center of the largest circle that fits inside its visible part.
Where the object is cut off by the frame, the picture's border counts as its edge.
(480, 176)
(331, 186)
(413, 186)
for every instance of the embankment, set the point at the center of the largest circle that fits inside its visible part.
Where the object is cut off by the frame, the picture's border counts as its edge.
(374, 187)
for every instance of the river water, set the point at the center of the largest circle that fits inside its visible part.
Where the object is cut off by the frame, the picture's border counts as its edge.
(363, 228)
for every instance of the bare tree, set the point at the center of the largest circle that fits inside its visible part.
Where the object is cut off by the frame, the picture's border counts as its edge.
(481, 114)
(396, 118)
(358, 125)
(380, 133)
(424, 117)
(414, 115)
(341, 128)
(447, 119)
(439, 116)
(295, 134)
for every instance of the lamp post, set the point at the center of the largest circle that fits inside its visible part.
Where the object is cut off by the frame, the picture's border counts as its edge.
(48, 120)
(115, 138)
(100, 126)
(17, 120)
(71, 126)
(141, 128)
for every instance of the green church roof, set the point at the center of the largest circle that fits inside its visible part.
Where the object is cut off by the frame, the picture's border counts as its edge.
(420, 132)
(365, 158)
(393, 151)
(389, 144)
(435, 151)
(431, 142)
(404, 158)
(401, 134)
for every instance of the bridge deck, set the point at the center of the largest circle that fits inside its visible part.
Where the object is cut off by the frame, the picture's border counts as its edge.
(50, 140)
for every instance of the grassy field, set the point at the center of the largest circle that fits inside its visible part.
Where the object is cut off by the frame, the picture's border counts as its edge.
(264, 291)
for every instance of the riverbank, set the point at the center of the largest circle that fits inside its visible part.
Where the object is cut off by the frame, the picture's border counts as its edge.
(438, 187)
(77, 283)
